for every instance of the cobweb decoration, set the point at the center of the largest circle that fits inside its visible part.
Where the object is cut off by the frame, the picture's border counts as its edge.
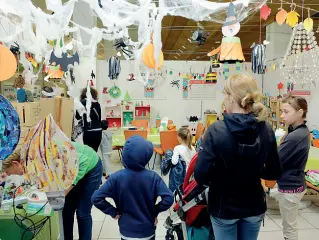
(215, 11)
(301, 62)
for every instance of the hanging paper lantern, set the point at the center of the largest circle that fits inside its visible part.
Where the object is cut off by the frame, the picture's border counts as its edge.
(171, 72)
(292, 17)
(149, 58)
(8, 63)
(308, 24)
(265, 12)
(281, 16)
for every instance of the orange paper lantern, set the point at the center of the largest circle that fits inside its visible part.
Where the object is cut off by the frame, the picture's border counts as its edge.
(8, 63)
(149, 59)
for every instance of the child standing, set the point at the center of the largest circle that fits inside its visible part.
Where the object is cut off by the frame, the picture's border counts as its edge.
(106, 148)
(293, 154)
(135, 191)
(185, 149)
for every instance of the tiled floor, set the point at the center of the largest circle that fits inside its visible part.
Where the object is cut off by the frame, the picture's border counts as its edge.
(104, 227)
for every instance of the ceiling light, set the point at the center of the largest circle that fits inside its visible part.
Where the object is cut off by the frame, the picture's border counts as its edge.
(175, 57)
(180, 50)
(178, 54)
(217, 42)
(183, 47)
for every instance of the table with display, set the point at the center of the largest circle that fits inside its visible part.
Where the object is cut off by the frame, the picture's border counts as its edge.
(10, 230)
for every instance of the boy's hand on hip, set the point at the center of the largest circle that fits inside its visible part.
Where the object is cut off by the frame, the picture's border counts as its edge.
(156, 222)
(117, 217)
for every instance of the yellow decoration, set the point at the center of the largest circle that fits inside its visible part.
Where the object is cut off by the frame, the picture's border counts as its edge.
(292, 17)
(281, 16)
(274, 66)
(308, 24)
(149, 58)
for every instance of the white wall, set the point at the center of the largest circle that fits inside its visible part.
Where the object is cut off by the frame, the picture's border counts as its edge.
(168, 100)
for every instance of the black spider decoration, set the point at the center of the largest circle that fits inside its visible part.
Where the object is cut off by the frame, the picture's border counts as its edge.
(15, 49)
(92, 75)
(122, 44)
(175, 83)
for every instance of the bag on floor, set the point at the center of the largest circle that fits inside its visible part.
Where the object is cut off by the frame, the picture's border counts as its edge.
(202, 233)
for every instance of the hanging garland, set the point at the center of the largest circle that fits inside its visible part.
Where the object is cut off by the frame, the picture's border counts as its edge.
(115, 92)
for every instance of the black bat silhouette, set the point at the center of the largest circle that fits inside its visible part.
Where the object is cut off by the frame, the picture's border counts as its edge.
(92, 75)
(65, 60)
(72, 76)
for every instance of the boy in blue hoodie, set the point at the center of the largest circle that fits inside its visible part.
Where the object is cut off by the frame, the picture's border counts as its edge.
(135, 191)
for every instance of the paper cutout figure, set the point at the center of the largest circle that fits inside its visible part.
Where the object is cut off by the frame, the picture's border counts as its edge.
(175, 83)
(9, 128)
(230, 50)
(65, 61)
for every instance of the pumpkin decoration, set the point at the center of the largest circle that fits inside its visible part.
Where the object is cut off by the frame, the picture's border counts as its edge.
(281, 16)
(149, 58)
(8, 63)
(292, 16)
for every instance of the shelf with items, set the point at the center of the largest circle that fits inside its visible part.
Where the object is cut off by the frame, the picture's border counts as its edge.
(141, 111)
(113, 113)
(274, 114)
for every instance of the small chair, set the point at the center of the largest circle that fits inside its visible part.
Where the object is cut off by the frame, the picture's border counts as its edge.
(168, 141)
(200, 129)
(315, 143)
(140, 123)
(130, 133)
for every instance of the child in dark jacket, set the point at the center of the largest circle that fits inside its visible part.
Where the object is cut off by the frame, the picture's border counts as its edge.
(135, 191)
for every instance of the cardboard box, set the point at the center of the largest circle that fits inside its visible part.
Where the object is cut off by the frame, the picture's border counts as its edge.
(28, 113)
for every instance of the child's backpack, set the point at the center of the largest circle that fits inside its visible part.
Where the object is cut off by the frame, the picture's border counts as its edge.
(202, 233)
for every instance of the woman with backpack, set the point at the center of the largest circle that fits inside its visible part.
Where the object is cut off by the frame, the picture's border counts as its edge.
(92, 130)
(236, 153)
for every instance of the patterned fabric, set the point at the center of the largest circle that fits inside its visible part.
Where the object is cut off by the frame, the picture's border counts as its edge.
(9, 128)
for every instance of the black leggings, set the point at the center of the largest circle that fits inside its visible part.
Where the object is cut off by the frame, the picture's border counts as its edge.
(92, 139)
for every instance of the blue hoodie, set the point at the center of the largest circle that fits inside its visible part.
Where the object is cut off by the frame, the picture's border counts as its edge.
(135, 191)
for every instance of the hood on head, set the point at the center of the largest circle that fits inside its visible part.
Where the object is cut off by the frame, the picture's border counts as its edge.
(137, 152)
(245, 129)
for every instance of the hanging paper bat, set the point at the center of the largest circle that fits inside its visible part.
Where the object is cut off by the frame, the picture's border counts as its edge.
(92, 75)
(65, 60)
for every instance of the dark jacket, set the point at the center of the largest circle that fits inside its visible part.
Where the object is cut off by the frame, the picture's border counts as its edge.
(293, 154)
(176, 173)
(95, 115)
(135, 191)
(235, 154)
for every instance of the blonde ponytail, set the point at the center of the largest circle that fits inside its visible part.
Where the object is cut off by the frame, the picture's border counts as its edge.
(186, 135)
(243, 88)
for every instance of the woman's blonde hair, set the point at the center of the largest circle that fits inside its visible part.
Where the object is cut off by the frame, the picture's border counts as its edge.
(186, 135)
(243, 88)
(15, 156)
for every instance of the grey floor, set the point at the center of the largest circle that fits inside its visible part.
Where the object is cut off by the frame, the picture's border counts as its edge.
(104, 227)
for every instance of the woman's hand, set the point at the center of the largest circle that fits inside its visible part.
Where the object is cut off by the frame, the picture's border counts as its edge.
(66, 192)
(156, 222)
(117, 217)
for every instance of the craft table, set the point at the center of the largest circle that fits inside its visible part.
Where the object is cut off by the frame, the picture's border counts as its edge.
(10, 230)
(118, 139)
(313, 159)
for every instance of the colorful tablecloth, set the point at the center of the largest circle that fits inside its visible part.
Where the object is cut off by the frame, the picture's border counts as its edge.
(313, 159)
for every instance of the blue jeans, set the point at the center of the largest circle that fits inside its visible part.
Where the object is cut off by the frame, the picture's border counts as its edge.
(237, 229)
(79, 200)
